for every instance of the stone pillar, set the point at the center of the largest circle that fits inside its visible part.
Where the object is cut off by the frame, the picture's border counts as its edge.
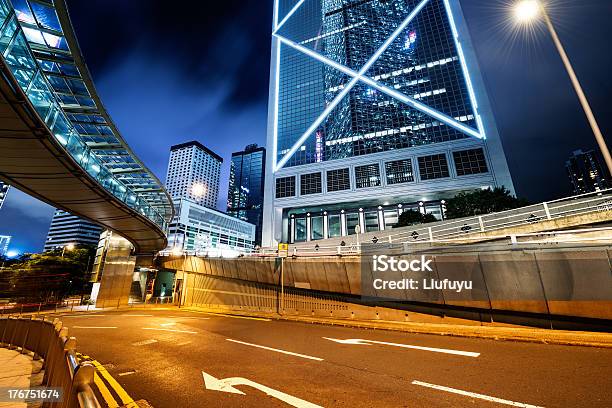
(115, 266)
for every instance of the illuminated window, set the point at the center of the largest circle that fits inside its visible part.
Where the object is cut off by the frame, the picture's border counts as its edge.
(367, 176)
(399, 171)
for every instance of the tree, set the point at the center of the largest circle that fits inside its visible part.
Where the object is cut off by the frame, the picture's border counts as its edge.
(482, 202)
(412, 217)
(40, 277)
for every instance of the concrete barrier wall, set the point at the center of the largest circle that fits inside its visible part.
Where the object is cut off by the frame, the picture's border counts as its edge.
(549, 284)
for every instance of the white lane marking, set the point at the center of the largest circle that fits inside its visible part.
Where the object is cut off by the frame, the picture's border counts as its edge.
(84, 315)
(169, 330)
(474, 395)
(167, 324)
(363, 342)
(126, 373)
(144, 342)
(277, 350)
(137, 315)
(227, 385)
(94, 327)
(187, 317)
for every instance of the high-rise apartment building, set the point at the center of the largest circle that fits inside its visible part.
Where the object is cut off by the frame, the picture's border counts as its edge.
(4, 188)
(376, 107)
(67, 229)
(586, 173)
(246, 186)
(194, 172)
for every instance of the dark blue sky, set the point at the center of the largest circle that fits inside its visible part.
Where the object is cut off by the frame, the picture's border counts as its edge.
(200, 70)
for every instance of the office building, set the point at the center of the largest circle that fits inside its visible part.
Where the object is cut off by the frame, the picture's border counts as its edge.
(375, 107)
(5, 240)
(586, 172)
(246, 187)
(193, 173)
(208, 232)
(4, 188)
(67, 229)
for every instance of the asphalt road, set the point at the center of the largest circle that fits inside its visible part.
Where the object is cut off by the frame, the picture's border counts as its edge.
(160, 356)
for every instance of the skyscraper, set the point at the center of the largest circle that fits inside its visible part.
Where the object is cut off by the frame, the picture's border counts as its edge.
(193, 172)
(376, 106)
(193, 182)
(68, 229)
(246, 186)
(3, 191)
(586, 173)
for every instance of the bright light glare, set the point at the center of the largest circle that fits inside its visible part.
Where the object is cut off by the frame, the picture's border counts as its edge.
(526, 10)
(12, 254)
(198, 189)
(177, 252)
(70, 247)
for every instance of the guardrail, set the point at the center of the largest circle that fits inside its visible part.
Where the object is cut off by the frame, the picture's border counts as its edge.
(566, 236)
(49, 340)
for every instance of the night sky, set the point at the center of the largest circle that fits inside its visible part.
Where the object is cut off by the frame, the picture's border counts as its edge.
(172, 72)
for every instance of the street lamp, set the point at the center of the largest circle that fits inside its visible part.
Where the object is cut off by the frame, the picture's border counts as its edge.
(526, 11)
(198, 189)
(69, 247)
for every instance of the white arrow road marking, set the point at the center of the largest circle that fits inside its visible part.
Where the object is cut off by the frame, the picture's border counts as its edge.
(277, 350)
(169, 330)
(94, 327)
(363, 342)
(474, 395)
(227, 385)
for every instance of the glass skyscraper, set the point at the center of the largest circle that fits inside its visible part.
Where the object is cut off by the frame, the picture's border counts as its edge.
(586, 173)
(376, 106)
(246, 186)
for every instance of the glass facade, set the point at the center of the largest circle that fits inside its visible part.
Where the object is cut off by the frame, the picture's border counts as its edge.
(433, 167)
(285, 187)
(246, 187)
(422, 62)
(469, 162)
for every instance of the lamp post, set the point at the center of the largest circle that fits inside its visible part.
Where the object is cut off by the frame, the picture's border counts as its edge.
(528, 10)
(69, 247)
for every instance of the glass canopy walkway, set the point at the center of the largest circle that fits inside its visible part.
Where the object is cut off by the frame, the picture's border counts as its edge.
(52, 118)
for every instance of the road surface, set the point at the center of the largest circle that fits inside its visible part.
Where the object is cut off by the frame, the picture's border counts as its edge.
(182, 359)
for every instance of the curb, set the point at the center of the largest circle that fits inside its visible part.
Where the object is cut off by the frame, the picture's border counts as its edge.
(518, 334)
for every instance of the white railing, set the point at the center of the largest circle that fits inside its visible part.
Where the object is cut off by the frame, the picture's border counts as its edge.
(464, 229)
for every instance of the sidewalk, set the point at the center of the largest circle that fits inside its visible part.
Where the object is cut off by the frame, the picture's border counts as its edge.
(18, 371)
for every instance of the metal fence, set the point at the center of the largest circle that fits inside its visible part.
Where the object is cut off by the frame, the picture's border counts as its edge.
(49, 340)
(464, 229)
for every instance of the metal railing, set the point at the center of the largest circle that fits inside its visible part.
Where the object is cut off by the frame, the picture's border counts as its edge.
(468, 228)
(49, 340)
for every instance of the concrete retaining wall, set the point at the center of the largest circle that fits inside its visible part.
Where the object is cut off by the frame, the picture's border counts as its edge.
(526, 287)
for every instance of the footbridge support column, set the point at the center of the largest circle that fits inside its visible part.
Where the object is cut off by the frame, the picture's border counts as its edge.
(113, 271)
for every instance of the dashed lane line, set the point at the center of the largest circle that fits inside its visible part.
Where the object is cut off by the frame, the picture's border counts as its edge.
(475, 395)
(277, 350)
(169, 330)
